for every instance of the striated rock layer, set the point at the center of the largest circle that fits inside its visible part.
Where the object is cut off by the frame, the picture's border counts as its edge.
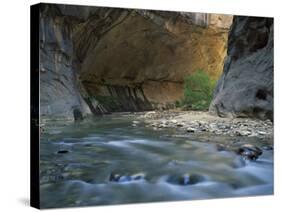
(246, 85)
(59, 91)
(99, 60)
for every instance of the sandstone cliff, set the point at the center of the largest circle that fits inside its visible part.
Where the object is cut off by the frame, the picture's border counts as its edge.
(106, 59)
(246, 85)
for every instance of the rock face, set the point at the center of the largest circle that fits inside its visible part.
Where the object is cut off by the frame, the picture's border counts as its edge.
(59, 92)
(246, 85)
(99, 60)
(142, 58)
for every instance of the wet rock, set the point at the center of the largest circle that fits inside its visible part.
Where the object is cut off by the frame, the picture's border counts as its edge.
(138, 176)
(118, 178)
(221, 147)
(190, 130)
(62, 151)
(249, 151)
(190, 179)
(186, 179)
(114, 177)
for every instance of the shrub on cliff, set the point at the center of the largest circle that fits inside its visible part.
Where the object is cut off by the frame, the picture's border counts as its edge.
(198, 89)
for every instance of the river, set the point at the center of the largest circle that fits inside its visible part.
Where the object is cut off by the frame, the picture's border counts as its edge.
(105, 160)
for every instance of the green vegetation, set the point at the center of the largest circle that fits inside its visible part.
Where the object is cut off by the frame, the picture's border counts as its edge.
(178, 103)
(198, 89)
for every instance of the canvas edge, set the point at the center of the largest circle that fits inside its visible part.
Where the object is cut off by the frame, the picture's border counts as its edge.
(34, 107)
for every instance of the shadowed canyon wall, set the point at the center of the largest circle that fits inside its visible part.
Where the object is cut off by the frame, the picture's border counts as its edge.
(245, 88)
(59, 91)
(99, 60)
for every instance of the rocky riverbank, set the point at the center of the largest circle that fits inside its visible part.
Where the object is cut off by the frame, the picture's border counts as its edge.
(257, 134)
(203, 122)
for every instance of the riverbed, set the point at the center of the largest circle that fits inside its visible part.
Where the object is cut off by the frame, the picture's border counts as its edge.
(110, 160)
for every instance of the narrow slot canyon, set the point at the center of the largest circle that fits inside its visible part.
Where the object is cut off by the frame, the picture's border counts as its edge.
(142, 105)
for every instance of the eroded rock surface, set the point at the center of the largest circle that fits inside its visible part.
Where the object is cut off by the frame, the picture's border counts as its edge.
(59, 92)
(245, 88)
(100, 60)
(140, 58)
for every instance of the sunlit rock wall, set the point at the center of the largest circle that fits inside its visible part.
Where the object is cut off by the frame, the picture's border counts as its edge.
(102, 60)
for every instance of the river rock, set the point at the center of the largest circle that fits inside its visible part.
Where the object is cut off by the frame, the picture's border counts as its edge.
(118, 178)
(62, 151)
(190, 130)
(261, 132)
(221, 147)
(138, 176)
(179, 124)
(190, 179)
(174, 121)
(243, 132)
(186, 179)
(249, 151)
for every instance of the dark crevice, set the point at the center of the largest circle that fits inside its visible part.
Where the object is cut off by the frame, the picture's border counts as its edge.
(261, 94)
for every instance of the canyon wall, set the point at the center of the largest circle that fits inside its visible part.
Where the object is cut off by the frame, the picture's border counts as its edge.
(99, 60)
(245, 88)
(59, 92)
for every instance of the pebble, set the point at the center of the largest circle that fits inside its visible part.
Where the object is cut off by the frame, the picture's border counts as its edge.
(243, 132)
(190, 130)
(180, 124)
(174, 121)
(261, 132)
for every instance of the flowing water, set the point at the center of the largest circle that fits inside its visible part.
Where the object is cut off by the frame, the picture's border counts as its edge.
(108, 161)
